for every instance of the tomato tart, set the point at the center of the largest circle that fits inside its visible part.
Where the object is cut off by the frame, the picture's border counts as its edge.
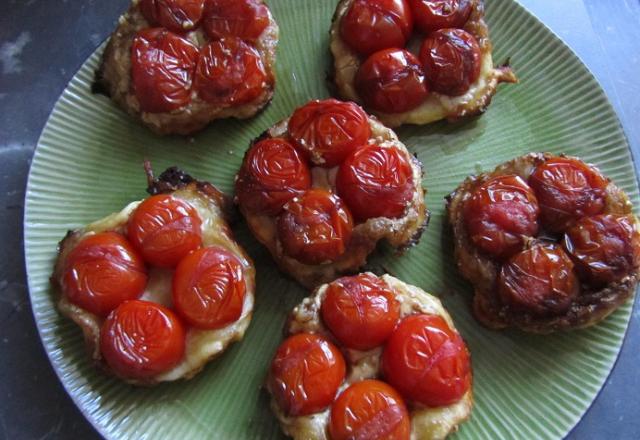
(321, 188)
(161, 287)
(373, 358)
(415, 61)
(548, 242)
(177, 65)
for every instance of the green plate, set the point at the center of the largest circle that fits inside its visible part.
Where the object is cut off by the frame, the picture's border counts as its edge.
(88, 164)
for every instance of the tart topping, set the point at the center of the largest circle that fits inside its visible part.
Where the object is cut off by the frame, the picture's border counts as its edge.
(175, 15)
(245, 19)
(431, 15)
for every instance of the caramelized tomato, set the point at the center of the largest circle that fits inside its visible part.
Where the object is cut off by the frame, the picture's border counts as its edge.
(392, 81)
(376, 182)
(245, 19)
(315, 227)
(431, 15)
(427, 361)
(175, 15)
(209, 288)
(329, 130)
(102, 271)
(361, 311)
(162, 67)
(370, 410)
(306, 373)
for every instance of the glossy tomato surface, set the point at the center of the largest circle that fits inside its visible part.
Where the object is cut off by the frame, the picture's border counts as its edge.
(175, 15)
(431, 15)
(245, 19)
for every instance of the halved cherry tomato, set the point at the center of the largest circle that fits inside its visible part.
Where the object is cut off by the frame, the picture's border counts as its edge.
(175, 15)
(329, 130)
(370, 410)
(245, 19)
(431, 15)
(209, 288)
(141, 339)
(162, 68)
(373, 25)
(392, 81)
(500, 214)
(426, 361)
(451, 60)
(315, 227)
(272, 173)
(306, 373)
(376, 181)
(102, 271)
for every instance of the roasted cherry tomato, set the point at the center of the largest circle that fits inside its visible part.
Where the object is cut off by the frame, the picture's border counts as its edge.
(209, 288)
(604, 247)
(329, 130)
(370, 410)
(500, 214)
(539, 280)
(361, 311)
(426, 361)
(102, 271)
(162, 67)
(306, 373)
(431, 15)
(373, 25)
(567, 190)
(376, 181)
(392, 81)
(272, 173)
(175, 15)
(165, 229)
(230, 72)
(245, 19)
(451, 61)
(315, 227)
(141, 339)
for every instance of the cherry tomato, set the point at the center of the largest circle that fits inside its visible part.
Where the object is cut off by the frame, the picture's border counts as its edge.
(539, 280)
(245, 19)
(272, 173)
(141, 339)
(392, 81)
(175, 15)
(361, 311)
(162, 67)
(567, 190)
(373, 25)
(604, 247)
(306, 373)
(451, 60)
(315, 227)
(209, 288)
(370, 410)
(329, 130)
(426, 361)
(376, 181)
(431, 15)
(230, 72)
(500, 214)
(102, 271)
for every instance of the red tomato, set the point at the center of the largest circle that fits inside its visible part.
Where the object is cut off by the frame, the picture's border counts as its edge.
(209, 288)
(329, 130)
(315, 227)
(376, 181)
(102, 271)
(431, 15)
(567, 190)
(500, 214)
(162, 67)
(426, 361)
(392, 81)
(175, 15)
(451, 60)
(373, 25)
(306, 373)
(245, 19)
(141, 339)
(370, 410)
(230, 72)
(272, 173)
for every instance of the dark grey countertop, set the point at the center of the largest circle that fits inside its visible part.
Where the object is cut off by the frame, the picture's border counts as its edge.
(44, 42)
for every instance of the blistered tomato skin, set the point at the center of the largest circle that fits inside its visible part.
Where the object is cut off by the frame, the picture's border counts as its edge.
(102, 271)
(245, 19)
(376, 181)
(431, 15)
(306, 373)
(329, 130)
(175, 15)
(370, 410)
